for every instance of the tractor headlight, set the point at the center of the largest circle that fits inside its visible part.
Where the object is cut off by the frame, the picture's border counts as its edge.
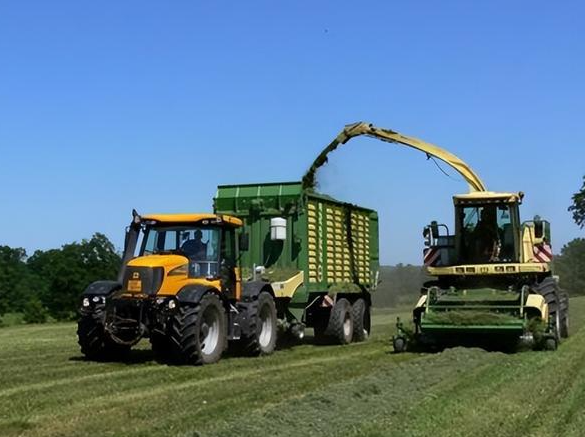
(85, 302)
(172, 304)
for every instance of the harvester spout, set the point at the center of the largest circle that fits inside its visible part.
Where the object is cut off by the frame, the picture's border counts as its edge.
(357, 129)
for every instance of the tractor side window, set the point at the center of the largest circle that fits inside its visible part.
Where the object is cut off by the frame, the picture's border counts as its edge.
(228, 247)
(149, 245)
(170, 240)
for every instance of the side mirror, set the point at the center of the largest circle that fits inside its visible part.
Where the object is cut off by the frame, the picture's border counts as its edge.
(539, 230)
(435, 229)
(244, 242)
(427, 235)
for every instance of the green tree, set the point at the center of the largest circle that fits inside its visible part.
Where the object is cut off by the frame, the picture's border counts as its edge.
(578, 206)
(69, 270)
(570, 266)
(14, 280)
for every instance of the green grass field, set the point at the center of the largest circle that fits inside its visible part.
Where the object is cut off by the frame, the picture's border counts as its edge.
(48, 389)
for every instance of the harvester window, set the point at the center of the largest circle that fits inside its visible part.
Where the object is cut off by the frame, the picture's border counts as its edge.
(487, 233)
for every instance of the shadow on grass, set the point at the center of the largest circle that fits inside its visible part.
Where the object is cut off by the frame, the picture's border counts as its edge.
(134, 356)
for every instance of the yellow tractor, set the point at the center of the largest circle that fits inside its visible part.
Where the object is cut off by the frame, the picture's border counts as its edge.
(183, 290)
(493, 279)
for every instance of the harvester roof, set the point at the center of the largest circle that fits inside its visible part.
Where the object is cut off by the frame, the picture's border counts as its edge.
(488, 196)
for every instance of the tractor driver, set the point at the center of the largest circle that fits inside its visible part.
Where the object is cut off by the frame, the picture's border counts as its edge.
(195, 248)
(486, 236)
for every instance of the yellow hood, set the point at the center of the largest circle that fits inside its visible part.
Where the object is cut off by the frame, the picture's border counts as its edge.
(168, 262)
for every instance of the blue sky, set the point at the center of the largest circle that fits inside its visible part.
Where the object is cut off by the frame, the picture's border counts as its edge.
(108, 106)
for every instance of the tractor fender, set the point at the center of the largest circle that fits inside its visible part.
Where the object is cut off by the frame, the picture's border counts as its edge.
(102, 288)
(251, 290)
(194, 293)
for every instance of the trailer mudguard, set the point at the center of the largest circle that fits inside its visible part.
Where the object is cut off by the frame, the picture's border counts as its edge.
(251, 290)
(102, 288)
(194, 293)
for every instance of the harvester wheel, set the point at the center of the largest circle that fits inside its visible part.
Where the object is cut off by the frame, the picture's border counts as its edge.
(399, 344)
(550, 344)
(198, 332)
(340, 326)
(549, 289)
(94, 341)
(360, 313)
(564, 314)
(263, 328)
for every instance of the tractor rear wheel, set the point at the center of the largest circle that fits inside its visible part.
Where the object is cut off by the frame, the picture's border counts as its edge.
(340, 326)
(360, 313)
(198, 332)
(261, 339)
(161, 347)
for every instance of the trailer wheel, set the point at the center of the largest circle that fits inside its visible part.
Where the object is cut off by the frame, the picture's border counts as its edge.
(263, 329)
(198, 332)
(94, 341)
(319, 330)
(340, 326)
(360, 313)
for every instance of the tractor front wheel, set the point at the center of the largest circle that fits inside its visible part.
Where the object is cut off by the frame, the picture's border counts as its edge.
(94, 341)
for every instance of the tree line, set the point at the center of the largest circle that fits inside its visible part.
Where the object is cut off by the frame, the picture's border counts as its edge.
(47, 285)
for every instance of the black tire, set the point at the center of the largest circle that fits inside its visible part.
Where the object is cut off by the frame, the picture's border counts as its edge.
(319, 330)
(94, 342)
(262, 336)
(564, 314)
(360, 314)
(198, 332)
(550, 344)
(161, 346)
(549, 290)
(399, 344)
(340, 327)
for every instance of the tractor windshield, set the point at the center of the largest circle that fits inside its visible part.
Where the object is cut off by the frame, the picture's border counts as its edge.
(200, 244)
(486, 233)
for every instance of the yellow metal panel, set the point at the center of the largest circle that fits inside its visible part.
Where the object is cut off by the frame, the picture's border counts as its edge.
(193, 218)
(287, 288)
(490, 269)
(537, 302)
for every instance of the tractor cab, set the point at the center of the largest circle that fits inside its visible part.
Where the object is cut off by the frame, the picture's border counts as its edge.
(165, 252)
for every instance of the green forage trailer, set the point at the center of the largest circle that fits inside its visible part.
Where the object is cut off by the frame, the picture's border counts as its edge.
(319, 254)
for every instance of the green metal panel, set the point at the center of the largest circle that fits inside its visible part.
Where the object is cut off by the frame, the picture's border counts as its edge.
(330, 241)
